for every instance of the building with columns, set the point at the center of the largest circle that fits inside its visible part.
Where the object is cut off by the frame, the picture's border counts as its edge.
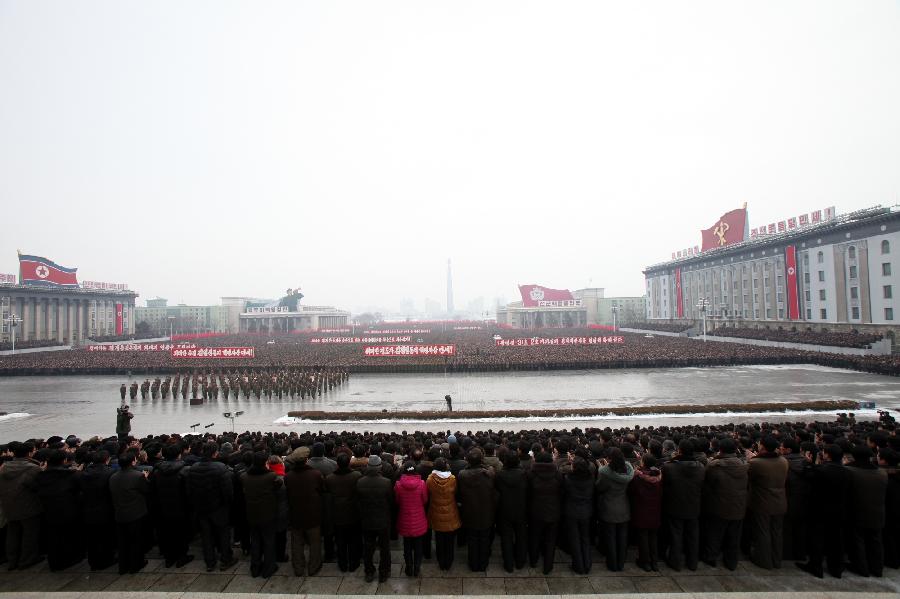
(289, 319)
(839, 274)
(68, 315)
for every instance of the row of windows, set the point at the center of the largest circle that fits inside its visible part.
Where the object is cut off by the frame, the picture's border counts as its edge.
(851, 251)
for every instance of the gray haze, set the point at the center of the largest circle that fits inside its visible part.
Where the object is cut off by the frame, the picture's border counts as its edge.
(199, 149)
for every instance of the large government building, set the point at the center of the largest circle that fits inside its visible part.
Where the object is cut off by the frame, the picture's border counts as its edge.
(836, 270)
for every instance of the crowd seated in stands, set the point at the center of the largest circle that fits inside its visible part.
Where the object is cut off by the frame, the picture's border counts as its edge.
(835, 339)
(825, 495)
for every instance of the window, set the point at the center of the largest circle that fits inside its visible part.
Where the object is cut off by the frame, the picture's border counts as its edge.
(821, 257)
(888, 292)
(806, 278)
(854, 293)
(886, 269)
(768, 312)
(885, 247)
(755, 283)
(781, 313)
(823, 314)
(852, 272)
(854, 313)
(822, 294)
(756, 314)
(808, 314)
(766, 282)
(821, 276)
(889, 314)
(851, 253)
(807, 294)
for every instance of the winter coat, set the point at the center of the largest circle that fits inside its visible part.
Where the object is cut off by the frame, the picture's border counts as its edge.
(545, 491)
(868, 491)
(411, 496)
(477, 497)
(612, 494)
(342, 488)
(17, 494)
(645, 491)
(59, 493)
(494, 462)
(375, 497)
(830, 490)
(726, 487)
(305, 487)
(443, 513)
(96, 499)
(210, 489)
(261, 489)
(324, 465)
(168, 489)
(579, 496)
(682, 488)
(512, 485)
(798, 485)
(768, 477)
(129, 488)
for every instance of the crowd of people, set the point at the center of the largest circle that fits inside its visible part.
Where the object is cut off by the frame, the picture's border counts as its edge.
(267, 382)
(835, 339)
(665, 327)
(474, 351)
(825, 495)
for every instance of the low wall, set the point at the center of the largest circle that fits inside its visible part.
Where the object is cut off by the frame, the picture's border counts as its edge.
(652, 332)
(882, 348)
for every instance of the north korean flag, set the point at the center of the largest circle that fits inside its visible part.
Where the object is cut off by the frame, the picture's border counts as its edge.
(34, 270)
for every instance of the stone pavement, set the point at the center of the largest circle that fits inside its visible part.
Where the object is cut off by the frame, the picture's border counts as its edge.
(192, 581)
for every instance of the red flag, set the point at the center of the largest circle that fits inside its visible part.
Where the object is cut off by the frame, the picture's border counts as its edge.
(730, 228)
(35, 270)
(790, 264)
(532, 294)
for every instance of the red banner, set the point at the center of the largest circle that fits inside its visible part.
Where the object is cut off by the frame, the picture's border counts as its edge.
(214, 352)
(679, 297)
(119, 321)
(35, 270)
(119, 347)
(326, 340)
(529, 341)
(790, 264)
(407, 351)
(534, 296)
(729, 229)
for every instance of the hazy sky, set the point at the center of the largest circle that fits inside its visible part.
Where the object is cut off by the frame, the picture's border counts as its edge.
(199, 149)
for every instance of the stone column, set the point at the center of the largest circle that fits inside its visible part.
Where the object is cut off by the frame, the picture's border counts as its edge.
(70, 315)
(27, 314)
(60, 320)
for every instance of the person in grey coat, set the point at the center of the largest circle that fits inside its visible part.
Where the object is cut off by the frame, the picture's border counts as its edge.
(21, 506)
(128, 488)
(613, 507)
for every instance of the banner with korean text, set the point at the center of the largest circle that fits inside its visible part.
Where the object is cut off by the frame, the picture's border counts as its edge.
(214, 352)
(407, 351)
(120, 347)
(527, 341)
(360, 340)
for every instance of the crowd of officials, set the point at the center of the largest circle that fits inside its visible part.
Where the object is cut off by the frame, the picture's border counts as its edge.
(823, 495)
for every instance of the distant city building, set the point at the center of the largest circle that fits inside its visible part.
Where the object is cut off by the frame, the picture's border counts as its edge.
(600, 309)
(543, 307)
(809, 270)
(158, 317)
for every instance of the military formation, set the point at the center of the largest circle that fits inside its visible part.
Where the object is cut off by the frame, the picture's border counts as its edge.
(279, 383)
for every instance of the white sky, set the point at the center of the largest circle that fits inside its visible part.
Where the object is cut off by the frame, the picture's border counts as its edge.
(199, 149)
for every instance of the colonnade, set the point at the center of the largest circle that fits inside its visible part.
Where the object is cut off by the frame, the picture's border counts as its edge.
(66, 319)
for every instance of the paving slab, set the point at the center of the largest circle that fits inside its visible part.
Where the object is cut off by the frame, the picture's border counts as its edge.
(610, 584)
(399, 585)
(662, 584)
(441, 586)
(134, 582)
(282, 585)
(570, 586)
(526, 586)
(93, 581)
(357, 586)
(244, 583)
(173, 582)
(484, 586)
(320, 585)
(209, 583)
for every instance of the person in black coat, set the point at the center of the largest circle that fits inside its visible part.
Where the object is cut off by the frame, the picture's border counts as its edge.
(60, 497)
(830, 485)
(888, 460)
(210, 489)
(798, 498)
(868, 491)
(97, 511)
(168, 489)
(512, 485)
(375, 497)
(682, 488)
(478, 500)
(128, 488)
(545, 497)
(578, 506)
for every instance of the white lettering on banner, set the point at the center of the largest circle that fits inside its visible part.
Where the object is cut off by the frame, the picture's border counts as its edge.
(529, 341)
(559, 303)
(334, 330)
(118, 347)
(104, 286)
(8, 279)
(398, 331)
(268, 309)
(360, 339)
(214, 352)
(406, 351)
(467, 328)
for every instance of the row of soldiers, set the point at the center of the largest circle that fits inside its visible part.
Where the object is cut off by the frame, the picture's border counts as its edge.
(269, 383)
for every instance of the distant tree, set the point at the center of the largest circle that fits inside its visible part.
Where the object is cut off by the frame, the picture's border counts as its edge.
(368, 318)
(142, 328)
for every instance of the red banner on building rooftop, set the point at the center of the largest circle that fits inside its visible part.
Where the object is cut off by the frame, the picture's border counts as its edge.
(730, 228)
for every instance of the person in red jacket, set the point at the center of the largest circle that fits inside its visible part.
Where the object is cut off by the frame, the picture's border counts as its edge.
(411, 495)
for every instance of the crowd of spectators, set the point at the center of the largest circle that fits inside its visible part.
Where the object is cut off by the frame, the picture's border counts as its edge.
(475, 351)
(666, 327)
(129, 337)
(7, 345)
(823, 494)
(835, 339)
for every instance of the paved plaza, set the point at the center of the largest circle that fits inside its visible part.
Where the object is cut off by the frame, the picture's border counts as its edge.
(193, 581)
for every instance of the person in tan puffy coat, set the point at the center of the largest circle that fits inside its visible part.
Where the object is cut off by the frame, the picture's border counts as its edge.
(443, 513)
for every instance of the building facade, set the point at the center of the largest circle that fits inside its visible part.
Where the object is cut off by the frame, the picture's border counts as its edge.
(843, 271)
(620, 311)
(284, 319)
(69, 315)
(160, 318)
